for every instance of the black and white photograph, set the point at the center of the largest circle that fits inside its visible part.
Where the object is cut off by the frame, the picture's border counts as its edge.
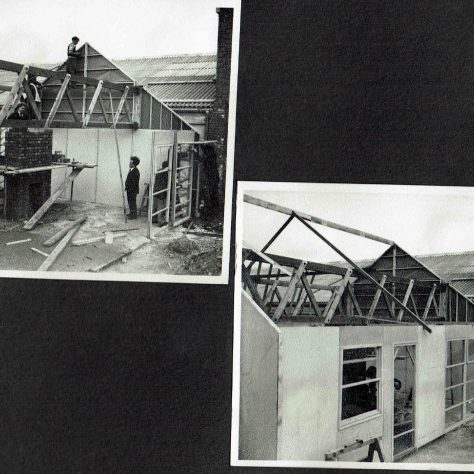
(116, 152)
(354, 326)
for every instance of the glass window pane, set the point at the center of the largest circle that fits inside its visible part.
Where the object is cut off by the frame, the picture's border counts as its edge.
(359, 399)
(455, 352)
(454, 396)
(470, 371)
(454, 376)
(470, 391)
(453, 416)
(360, 353)
(470, 349)
(358, 371)
(401, 426)
(402, 443)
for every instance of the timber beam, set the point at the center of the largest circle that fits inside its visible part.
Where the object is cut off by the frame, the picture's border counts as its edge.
(42, 72)
(64, 124)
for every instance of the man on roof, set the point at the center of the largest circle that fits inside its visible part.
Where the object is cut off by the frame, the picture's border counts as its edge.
(73, 56)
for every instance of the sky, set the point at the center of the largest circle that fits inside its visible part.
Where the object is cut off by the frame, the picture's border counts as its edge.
(421, 220)
(39, 32)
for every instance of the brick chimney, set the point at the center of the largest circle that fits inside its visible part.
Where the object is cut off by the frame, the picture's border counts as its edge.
(218, 118)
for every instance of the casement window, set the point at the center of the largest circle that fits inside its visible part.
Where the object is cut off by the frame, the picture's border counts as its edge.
(459, 394)
(360, 389)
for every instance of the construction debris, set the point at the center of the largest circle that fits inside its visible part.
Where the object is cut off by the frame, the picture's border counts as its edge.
(97, 239)
(59, 235)
(58, 249)
(40, 252)
(119, 258)
(18, 242)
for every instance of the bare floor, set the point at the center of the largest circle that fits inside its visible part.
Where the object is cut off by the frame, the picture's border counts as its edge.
(169, 251)
(456, 447)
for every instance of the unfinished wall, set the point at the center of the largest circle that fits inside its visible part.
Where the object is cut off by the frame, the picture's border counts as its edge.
(27, 148)
(430, 385)
(309, 378)
(97, 146)
(258, 384)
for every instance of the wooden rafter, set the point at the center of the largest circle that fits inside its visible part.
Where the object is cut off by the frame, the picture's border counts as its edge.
(13, 97)
(92, 104)
(405, 300)
(428, 303)
(57, 101)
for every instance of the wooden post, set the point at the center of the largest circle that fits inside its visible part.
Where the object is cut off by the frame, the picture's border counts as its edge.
(57, 101)
(118, 159)
(84, 87)
(174, 165)
(190, 183)
(151, 187)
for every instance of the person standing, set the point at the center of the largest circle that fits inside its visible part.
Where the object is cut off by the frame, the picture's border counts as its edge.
(73, 56)
(132, 186)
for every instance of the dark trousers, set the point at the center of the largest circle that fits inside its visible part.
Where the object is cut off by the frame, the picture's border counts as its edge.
(72, 65)
(132, 203)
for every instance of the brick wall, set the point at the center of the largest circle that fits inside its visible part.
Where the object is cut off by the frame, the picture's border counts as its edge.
(27, 148)
(25, 193)
(218, 117)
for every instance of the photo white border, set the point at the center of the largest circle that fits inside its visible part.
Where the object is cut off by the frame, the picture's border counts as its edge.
(221, 279)
(245, 186)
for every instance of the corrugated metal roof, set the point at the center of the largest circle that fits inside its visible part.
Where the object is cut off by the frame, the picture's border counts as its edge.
(180, 81)
(465, 287)
(172, 68)
(185, 95)
(450, 265)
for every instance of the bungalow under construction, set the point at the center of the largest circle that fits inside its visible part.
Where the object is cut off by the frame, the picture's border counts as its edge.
(340, 361)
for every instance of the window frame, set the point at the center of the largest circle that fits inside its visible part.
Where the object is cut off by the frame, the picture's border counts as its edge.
(343, 424)
(465, 401)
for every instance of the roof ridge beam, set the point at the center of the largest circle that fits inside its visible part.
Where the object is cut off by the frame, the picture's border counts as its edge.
(316, 220)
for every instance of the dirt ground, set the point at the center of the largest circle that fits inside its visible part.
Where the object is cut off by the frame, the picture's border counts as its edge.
(169, 251)
(456, 447)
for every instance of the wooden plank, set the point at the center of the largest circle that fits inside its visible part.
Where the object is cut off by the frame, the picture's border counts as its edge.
(92, 104)
(378, 293)
(120, 106)
(57, 101)
(91, 240)
(428, 304)
(31, 99)
(337, 297)
(110, 262)
(72, 106)
(42, 210)
(310, 295)
(267, 281)
(34, 170)
(11, 99)
(316, 220)
(46, 265)
(59, 235)
(102, 108)
(16, 242)
(268, 259)
(39, 251)
(354, 299)
(405, 300)
(289, 292)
